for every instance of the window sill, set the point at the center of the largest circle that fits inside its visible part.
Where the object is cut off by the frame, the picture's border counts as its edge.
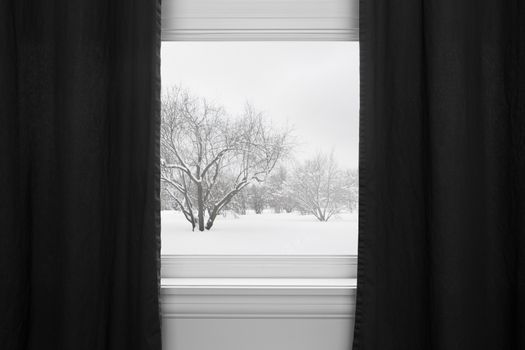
(259, 266)
(258, 298)
(218, 286)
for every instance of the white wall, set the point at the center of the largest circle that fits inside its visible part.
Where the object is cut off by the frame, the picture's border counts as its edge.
(257, 334)
(258, 313)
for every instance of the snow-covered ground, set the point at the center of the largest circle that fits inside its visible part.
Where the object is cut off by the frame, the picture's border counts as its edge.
(263, 234)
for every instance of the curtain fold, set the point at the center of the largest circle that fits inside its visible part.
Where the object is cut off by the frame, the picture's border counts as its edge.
(79, 183)
(442, 175)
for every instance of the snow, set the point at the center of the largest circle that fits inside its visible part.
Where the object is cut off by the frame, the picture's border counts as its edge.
(261, 234)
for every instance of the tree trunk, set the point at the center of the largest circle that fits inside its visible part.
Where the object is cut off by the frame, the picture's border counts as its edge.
(211, 220)
(200, 207)
(319, 214)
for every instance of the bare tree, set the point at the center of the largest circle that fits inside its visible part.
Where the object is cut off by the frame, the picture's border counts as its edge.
(208, 157)
(257, 196)
(280, 196)
(239, 203)
(317, 186)
(351, 188)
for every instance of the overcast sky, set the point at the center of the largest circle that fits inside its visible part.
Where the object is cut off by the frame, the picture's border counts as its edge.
(311, 86)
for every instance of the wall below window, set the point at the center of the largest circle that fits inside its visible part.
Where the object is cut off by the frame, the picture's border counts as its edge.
(257, 334)
(258, 313)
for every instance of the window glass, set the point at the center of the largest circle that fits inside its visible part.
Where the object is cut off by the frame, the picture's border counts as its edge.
(259, 147)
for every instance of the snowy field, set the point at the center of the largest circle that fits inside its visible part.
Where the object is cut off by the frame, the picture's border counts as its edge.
(263, 234)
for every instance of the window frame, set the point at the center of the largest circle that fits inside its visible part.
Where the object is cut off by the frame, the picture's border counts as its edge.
(259, 266)
(253, 20)
(197, 21)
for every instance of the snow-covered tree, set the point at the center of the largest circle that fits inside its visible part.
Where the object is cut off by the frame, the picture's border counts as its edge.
(318, 187)
(257, 197)
(351, 188)
(280, 196)
(207, 157)
(166, 202)
(239, 204)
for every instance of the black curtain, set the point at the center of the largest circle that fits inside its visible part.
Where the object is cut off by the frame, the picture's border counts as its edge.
(442, 175)
(79, 157)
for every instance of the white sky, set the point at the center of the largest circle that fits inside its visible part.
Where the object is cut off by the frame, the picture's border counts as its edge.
(311, 86)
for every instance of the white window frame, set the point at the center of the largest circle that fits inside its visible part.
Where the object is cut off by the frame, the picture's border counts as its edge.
(269, 20)
(259, 266)
(309, 285)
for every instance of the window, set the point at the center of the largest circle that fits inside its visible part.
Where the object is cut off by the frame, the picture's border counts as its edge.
(260, 148)
(213, 29)
(284, 58)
